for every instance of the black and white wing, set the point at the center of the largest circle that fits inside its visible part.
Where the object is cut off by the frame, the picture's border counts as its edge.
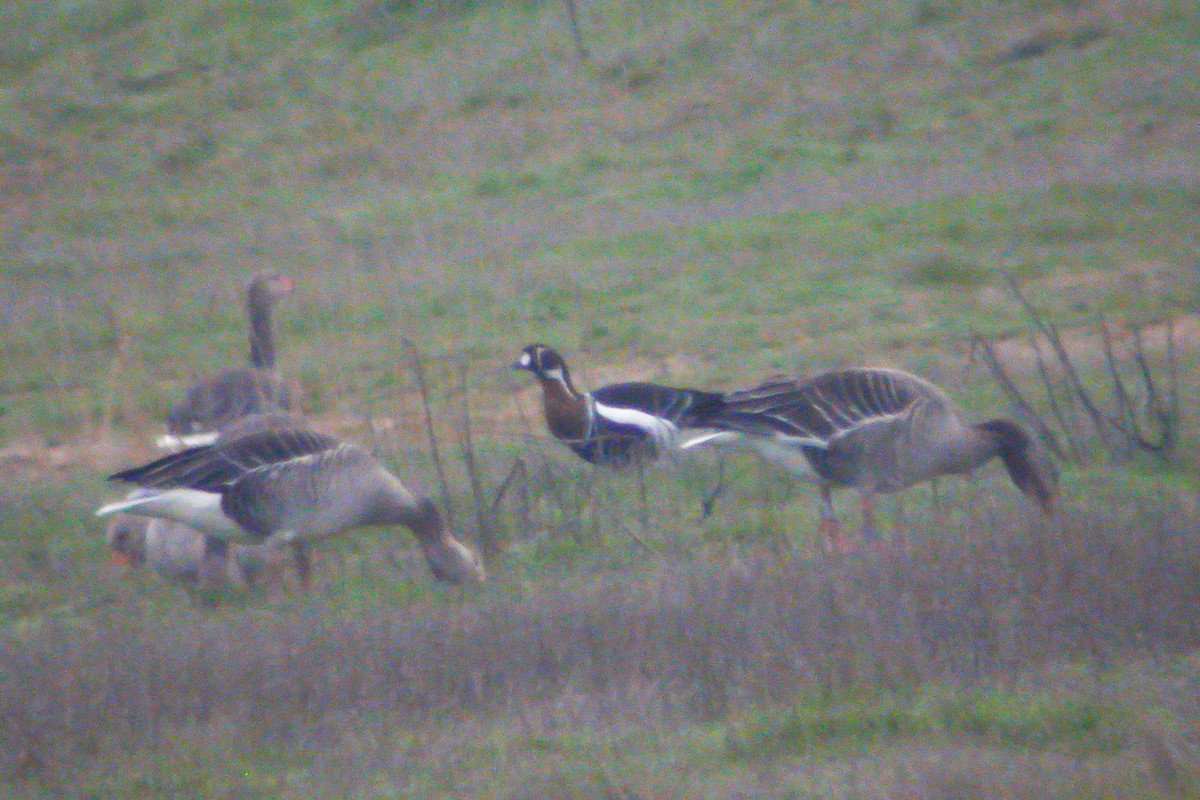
(631, 422)
(210, 468)
(680, 407)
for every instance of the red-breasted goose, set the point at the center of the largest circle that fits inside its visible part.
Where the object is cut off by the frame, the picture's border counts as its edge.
(615, 425)
(290, 487)
(875, 430)
(232, 394)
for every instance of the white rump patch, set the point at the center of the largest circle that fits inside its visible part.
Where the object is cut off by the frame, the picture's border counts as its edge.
(169, 442)
(779, 449)
(704, 440)
(201, 510)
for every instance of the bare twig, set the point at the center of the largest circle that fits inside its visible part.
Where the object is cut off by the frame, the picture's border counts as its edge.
(1143, 416)
(418, 367)
(1165, 413)
(116, 370)
(576, 32)
(517, 470)
(1125, 417)
(484, 518)
(1072, 442)
(1014, 394)
(1050, 332)
(1173, 373)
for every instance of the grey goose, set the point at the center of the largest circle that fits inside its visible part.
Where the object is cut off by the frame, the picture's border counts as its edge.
(875, 430)
(180, 554)
(288, 488)
(234, 393)
(183, 555)
(616, 425)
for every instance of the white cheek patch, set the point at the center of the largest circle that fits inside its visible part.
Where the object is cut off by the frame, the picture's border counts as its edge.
(525, 360)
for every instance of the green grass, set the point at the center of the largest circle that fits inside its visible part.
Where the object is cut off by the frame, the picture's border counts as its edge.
(792, 285)
(1005, 719)
(721, 192)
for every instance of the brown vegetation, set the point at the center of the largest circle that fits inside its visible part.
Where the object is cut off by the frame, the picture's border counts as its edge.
(683, 643)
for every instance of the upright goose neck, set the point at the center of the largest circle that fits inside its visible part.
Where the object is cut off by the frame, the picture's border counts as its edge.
(558, 379)
(567, 413)
(262, 333)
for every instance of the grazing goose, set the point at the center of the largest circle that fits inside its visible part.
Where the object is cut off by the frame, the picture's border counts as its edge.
(235, 393)
(616, 425)
(287, 488)
(183, 555)
(876, 431)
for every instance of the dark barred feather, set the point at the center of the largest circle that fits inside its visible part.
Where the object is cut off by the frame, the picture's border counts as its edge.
(821, 407)
(211, 467)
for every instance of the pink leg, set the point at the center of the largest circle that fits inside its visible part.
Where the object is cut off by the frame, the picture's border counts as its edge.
(870, 533)
(830, 528)
(303, 562)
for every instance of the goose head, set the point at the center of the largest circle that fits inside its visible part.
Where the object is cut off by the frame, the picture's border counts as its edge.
(125, 535)
(451, 561)
(268, 288)
(1027, 462)
(545, 364)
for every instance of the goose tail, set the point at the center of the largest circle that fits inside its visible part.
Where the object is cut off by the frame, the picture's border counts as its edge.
(134, 500)
(706, 439)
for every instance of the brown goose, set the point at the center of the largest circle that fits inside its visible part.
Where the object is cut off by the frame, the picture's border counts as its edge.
(235, 393)
(877, 431)
(287, 488)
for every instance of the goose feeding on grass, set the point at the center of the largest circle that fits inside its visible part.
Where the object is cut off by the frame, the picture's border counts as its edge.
(616, 425)
(874, 430)
(231, 394)
(287, 488)
(180, 554)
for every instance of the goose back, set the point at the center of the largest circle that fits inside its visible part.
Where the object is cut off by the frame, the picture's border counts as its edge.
(210, 468)
(636, 421)
(292, 486)
(615, 425)
(227, 397)
(318, 494)
(235, 393)
(877, 429)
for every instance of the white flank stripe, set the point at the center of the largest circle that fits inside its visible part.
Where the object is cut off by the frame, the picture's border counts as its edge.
(658, 428)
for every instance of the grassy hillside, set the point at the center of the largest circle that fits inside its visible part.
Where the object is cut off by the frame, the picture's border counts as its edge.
(711, 194)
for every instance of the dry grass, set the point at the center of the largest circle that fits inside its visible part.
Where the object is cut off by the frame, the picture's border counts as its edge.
(679, 641)
(716, 192)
